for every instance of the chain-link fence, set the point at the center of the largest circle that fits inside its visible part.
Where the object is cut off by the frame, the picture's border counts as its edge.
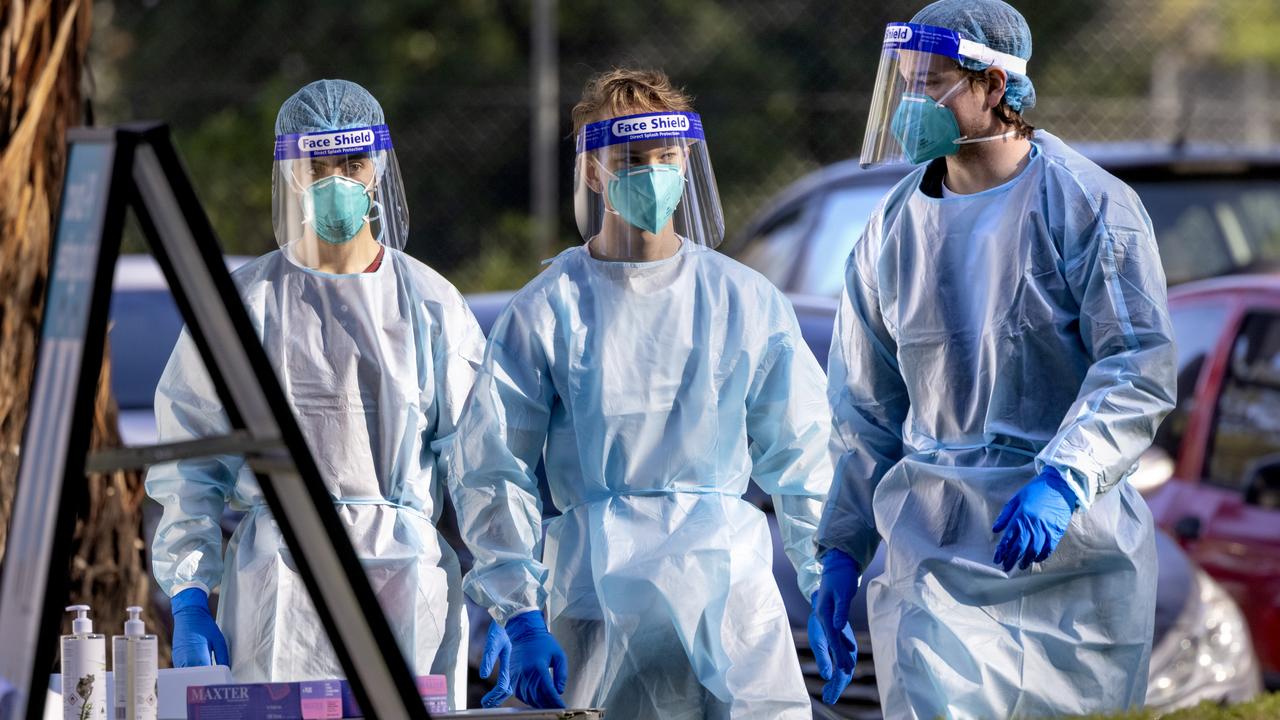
(783, 87)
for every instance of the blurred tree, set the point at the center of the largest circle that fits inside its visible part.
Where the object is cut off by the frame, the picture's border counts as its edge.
(783, 86)
(1234, 31)
(43, 45)
(451, 77)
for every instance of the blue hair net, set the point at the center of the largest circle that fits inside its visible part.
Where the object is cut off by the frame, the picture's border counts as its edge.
(995, 24)
(328, 105)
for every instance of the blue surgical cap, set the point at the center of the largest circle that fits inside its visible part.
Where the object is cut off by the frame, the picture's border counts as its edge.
(328, 105)
(995, 24)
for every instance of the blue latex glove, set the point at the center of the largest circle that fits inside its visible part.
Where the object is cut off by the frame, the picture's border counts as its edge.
(837, 678)
(195, 633)
(497, 647)
(1034, 521)
(836, 591)
(533, 651)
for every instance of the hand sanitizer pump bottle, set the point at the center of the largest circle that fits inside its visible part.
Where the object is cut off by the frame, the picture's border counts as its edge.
(135, 662)
(84, 669)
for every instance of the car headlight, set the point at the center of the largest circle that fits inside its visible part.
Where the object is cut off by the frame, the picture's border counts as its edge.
(1206, 655)
(1154, 469)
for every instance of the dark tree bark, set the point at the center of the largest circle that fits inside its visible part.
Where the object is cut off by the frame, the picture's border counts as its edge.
(43, 46)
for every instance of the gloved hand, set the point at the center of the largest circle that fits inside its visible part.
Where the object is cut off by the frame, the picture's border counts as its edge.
(837, 679)
(195, 633)
(533, 650)
(836, 591)
(497, 647)
(1034, 521)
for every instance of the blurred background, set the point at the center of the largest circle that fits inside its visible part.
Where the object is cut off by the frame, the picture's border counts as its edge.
(782, 85)
(1178, 98)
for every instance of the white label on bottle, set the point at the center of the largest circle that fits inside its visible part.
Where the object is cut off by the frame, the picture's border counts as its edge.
(135, 662)
(84, 678)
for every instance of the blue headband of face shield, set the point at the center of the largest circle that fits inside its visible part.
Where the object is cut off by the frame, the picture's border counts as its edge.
(949, 43)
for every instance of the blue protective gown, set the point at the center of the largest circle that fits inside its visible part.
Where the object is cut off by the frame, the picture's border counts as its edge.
(377, 367)
(658, 390)
(981, 338)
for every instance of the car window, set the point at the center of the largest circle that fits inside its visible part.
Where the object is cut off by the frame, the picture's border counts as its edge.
(1196, 329)
(144, 327)
(777, 249)
(1247, 425)
(1207, 228)
(841, 221)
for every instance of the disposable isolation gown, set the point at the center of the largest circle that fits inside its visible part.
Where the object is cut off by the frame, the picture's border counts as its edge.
(979, 339)
(659, 390)
(377, 367)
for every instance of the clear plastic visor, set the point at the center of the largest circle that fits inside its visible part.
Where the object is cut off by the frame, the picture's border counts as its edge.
(641, 180)
(918, 77)
(337, 199)
(906, 82)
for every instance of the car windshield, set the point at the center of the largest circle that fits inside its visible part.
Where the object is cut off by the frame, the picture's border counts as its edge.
(844, 215)
(779, 252)
(1204, 228)
(1208, 228)
(144, 327)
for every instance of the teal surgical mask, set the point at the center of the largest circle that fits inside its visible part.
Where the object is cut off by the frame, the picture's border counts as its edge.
(339, 207)
(646, 196)
(927, 129)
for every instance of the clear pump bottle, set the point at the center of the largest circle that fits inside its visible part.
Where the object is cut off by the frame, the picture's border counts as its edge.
(135, 662)
(84, 669)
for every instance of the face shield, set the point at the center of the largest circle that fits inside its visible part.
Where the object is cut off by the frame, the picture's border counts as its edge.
(330, 188)
(919, 75)
(646, 175)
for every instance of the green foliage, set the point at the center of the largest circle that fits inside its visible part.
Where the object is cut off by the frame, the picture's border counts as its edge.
(230, 178)
(1266, 707)
(508, 261)
(1233, 31)
(451, 78)
(782, 85)
(1253, 27)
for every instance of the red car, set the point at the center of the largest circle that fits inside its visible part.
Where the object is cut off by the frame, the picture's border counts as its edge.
(1214, 473)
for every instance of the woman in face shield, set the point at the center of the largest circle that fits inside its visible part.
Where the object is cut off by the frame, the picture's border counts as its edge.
(654, 377)
(376, 353)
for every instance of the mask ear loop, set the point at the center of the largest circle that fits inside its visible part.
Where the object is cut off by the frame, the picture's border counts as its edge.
(605, 195)
(379, 167)
(304, 198)
(947, 95)
(967, 140)
(372, 216)
(306, 201)
(988, 138)
(306, 207)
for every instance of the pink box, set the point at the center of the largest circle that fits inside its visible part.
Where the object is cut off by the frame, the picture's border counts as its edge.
(433, 689)
(321, 700)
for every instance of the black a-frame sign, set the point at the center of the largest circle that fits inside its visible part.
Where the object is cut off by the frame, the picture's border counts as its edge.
(136, 166)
